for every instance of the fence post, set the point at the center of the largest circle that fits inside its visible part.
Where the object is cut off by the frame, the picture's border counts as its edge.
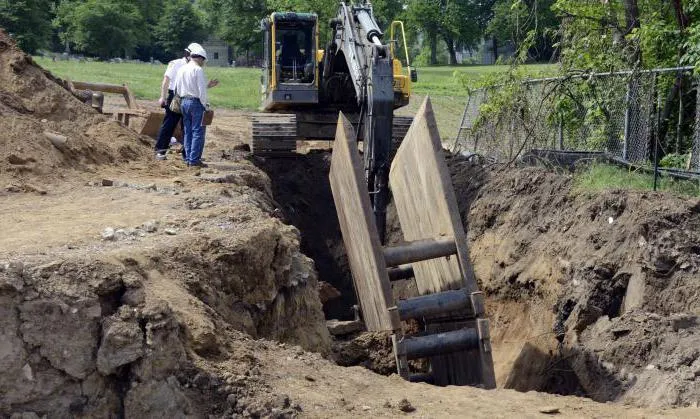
(560, 134)
(628, 116)
(694, 163)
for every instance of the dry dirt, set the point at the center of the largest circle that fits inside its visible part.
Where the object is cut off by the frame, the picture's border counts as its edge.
(136, 288)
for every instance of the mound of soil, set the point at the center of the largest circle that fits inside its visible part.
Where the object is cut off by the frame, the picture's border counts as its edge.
(162, 323)
(583, 288)
(32, 103)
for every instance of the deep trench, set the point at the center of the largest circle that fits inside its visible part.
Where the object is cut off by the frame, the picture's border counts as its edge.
(301, 189)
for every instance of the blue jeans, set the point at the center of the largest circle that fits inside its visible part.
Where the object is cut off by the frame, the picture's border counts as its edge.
(192, 114)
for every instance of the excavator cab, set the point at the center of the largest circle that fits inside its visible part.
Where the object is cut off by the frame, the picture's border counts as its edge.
(290, 70)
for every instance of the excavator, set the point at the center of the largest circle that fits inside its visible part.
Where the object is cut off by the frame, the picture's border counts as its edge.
(305, 87)
(348, 92)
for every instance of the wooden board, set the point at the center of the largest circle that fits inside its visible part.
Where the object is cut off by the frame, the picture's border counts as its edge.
(427, 206)
(359, 230)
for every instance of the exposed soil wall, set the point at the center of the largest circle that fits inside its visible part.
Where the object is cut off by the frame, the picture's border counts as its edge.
(139, 334)
(607, 274)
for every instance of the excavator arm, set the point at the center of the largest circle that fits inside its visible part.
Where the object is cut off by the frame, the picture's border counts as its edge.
(357, 37)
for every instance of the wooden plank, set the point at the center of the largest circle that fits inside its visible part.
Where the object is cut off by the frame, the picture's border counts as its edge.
(359, 231)
(427, 206)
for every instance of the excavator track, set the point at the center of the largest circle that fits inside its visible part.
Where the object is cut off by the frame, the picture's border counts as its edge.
(274, 134)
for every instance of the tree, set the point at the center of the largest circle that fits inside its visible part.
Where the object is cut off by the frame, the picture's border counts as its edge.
(528, 24)
(237, 21)
(105, 28)
(28, 22)
(179, 24)
(426, 16)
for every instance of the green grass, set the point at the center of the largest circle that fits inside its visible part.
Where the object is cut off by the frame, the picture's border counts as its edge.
(598, 177)
(239, 88)
(440, 80)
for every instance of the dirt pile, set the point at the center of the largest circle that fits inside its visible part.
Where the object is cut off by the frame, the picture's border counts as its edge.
(613, 276)
(32, 103)
(162, 324)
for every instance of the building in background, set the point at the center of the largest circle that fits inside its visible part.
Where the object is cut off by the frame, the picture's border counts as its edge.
(483, 53)
(219, 53)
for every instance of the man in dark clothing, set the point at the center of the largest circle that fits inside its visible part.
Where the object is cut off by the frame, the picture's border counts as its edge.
(171, 119)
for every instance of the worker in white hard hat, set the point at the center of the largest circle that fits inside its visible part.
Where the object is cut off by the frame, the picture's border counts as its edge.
(191, 85)
(171, 119)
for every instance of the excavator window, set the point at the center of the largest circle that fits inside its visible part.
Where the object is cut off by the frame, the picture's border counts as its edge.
(295, 53)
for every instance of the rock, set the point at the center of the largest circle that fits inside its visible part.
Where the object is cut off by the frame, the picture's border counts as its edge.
(150, 226)
(15, 159)
(650, 367)
(231, 399)
(122, 343)
(134, 297)
(366, 408)
(340, 327)
(406, 406)
(683, 321)
(107, 182)
(549, 410)
(11, 276)
(59, 141)
(327, 292)
(309, 378)
(163, 399)
(108, 234)
(47, 324)
(170, 231)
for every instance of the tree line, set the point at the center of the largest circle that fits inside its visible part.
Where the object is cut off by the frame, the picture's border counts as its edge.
(583, 34)
(158, 29)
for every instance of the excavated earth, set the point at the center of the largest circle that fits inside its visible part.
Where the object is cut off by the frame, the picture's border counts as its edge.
(136, 288)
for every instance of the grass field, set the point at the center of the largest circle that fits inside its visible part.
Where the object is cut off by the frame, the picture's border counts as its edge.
(599, 177)
(441, 80)
(240, 87)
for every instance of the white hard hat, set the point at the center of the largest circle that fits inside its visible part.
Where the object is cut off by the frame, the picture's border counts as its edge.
(193, 45)
(198, 50)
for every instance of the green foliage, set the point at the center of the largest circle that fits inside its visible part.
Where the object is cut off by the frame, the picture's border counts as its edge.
(529, 22)
(27, 21)
(106, 28)
(237, 21)
(674, 160)
(179, 25)
(599, 177)
(445, 19)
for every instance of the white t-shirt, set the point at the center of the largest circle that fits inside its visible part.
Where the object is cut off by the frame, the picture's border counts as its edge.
(190, 81)
(173, 67)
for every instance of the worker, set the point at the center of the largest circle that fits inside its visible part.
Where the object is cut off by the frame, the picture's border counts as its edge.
(171, 119)
(191, 85)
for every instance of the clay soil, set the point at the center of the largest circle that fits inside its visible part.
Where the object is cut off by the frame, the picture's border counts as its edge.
(136, 288)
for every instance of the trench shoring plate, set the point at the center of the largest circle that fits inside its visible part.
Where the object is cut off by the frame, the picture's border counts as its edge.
(359, 230)
(427, 207)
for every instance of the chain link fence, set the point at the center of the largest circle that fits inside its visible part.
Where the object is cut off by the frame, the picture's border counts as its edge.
(635, 117)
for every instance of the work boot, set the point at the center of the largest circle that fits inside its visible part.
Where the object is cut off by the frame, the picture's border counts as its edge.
(198, 164)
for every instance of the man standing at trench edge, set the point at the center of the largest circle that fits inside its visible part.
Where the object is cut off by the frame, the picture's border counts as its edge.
(171, 118)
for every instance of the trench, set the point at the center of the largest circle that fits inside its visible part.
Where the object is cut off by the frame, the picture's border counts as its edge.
(301, 189)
